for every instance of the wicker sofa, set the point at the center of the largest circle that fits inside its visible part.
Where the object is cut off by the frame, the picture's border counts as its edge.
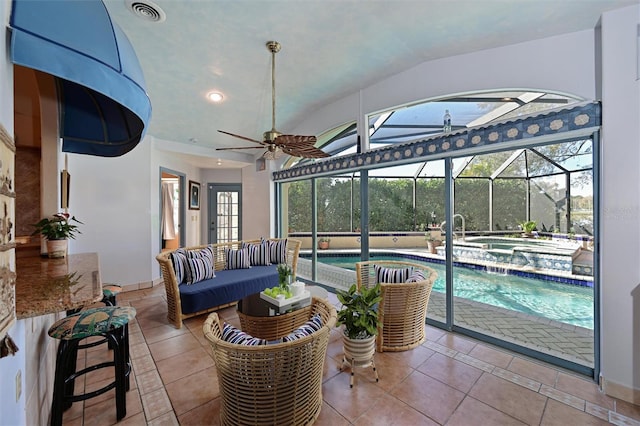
(272, 384)
(228, 286)
(403, 308)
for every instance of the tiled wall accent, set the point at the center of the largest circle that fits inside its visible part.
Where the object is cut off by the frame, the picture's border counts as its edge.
(28, 174)
(538, 261)
(7, 232)
(557, 122)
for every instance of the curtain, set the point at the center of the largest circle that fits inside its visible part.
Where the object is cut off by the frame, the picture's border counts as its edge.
(168, 225)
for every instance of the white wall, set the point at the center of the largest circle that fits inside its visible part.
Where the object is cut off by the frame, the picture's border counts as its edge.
(256, 195)
(563, 63)
(111, 196)
(620, 203)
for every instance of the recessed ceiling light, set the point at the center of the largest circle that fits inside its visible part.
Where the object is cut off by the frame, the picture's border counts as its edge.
(215, 96)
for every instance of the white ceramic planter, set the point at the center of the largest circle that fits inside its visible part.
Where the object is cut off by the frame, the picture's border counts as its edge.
(57, 248)
(361, 351)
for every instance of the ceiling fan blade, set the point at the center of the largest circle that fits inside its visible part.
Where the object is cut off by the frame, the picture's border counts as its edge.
(305, 152)
(300, 146)
(239, 147)
(242, 137)
(295, 141)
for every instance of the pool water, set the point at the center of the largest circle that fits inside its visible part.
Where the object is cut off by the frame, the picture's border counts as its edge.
(571, 304)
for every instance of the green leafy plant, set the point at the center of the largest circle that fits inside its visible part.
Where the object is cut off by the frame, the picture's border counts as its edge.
(529, 226)
(57, 227)
(359, 312)
(284, 272)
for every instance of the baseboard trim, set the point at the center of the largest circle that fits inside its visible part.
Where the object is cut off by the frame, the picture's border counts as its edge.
(622, 392)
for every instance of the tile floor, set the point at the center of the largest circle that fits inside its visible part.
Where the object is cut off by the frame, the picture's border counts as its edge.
(449, 380)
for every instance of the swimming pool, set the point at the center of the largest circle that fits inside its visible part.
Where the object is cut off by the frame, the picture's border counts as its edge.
(571, 304)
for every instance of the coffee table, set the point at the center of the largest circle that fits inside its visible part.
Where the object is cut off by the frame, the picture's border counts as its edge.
(262, 319)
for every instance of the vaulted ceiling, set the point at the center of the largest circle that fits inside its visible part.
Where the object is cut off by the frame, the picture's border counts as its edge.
(330, 49)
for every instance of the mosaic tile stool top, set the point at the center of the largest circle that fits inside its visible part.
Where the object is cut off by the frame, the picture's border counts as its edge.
(109, 292)
(92, 322)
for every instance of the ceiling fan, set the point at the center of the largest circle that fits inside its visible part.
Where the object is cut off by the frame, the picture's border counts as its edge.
(276, 142)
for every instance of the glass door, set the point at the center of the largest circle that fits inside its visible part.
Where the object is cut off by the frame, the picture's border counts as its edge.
(225, 207)
(523, 243)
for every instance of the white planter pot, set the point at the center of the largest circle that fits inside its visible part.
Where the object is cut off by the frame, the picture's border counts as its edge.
(57, 248)
(361, 351)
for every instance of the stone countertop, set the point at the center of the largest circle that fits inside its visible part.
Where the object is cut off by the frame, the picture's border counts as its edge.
(47, 286)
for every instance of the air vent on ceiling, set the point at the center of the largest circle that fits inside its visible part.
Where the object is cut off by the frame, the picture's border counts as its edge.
(146, 10)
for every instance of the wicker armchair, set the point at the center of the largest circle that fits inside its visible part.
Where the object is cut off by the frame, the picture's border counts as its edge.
(272, 384)
(403, 308)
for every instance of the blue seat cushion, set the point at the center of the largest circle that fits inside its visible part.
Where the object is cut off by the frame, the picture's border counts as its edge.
(229, 285)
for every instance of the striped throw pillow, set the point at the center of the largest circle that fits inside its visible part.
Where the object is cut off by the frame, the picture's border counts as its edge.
(237, 259)
(233, 335)
(202, 268)
(199, 269)
(392, 275)
(278, 251)
(179, 261)
(258, 253)
(205, 252)
(309, 327)
(416, 276)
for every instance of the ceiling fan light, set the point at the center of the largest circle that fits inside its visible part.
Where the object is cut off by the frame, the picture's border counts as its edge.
(215, 97)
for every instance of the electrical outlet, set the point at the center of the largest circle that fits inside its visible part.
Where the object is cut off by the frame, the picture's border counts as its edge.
(18, 385)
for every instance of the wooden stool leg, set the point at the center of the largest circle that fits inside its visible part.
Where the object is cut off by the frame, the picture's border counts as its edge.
(70, 360)
(127, 357)
(62, 386)
(118, 344)
(373, 364)
(353, 367)
(58, 386)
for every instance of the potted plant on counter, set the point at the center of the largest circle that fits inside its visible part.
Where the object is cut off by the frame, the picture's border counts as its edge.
(57, 230)
(527, 228)
(323, 243)
(432, 242)
(359, 315)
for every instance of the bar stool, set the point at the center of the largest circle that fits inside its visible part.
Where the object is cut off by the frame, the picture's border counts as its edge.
(110, 322)
(109, 293)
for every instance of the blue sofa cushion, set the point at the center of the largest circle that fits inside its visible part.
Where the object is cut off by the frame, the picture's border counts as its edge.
(228, 286)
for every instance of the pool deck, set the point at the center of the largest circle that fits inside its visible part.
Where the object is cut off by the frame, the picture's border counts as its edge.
(564, 341)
